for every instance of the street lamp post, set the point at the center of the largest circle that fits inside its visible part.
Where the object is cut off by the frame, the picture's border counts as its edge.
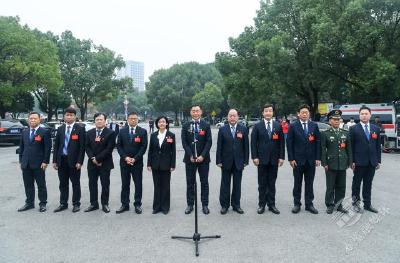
(126, 102)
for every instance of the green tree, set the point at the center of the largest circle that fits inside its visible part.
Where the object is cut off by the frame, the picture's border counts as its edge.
(172, 89)
(26, 62)
(210, 98)
(88, 70)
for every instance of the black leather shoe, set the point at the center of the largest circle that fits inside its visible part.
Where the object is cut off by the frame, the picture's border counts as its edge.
(296, 209)
(238, 210)
(122, 209)
(312, 209)
(156, 211)
(357, 208)
(60, 208)
(329, 209)
(206, 211)
(42, 208)
(188, 209)
(76, 208)
(165, 212)
(26, 207)
(106, 209)
(260, 210)
(274, 210)
(92, 208)
(342, 210)
(224, 210)
(371, 209)
(138, 209)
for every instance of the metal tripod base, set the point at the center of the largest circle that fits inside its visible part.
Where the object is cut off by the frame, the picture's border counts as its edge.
(196, 238)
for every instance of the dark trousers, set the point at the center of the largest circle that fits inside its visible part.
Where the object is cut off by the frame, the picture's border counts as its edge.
(30, 176)
(335, 187)
(225, 190)
(308, 172)
(266, 184)
(66, 173)
(161, 180)
(94, 175)
(364, 174)
(136, 172)
(191, 169)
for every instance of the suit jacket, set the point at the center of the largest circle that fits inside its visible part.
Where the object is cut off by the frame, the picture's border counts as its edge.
(115, 127)
(76, 145)
(132, 147)
(365, 151)
(267, 150)
(233, 151)
(164, 157)
(36, 151)
(102, 150)
(204, 141)
(303, 148)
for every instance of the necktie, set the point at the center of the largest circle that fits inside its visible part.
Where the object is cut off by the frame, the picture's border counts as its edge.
(32, 134)
(66, 140)
(366, 131)
(98, 133)
(269, 130)
(305, 129)
(196, 127)
(132, 132)
(233, 131)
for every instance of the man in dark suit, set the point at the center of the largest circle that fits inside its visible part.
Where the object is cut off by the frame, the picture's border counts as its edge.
(114, 126)
(366, 149)
(132, 144)
(196, 141)
(304, 154)
(232, 156)
(100, 143)
(268, 153)
(34, 156)
(68, 155)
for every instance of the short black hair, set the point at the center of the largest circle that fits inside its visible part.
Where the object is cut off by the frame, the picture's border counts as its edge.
(364, 108)
(132, 113)
(351, 118)
(268, 105)
(303, 106)
(70, 110)
(195, 105)
(99, 114)
(34, 112)
(162, 117)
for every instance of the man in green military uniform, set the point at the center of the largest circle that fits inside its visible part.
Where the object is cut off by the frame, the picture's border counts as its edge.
(336, 157)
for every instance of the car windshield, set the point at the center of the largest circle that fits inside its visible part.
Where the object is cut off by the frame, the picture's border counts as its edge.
(10, 124)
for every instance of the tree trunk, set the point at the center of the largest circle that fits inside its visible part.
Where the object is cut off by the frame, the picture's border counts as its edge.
(176, 118)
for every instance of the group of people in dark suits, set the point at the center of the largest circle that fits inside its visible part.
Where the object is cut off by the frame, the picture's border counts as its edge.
(359, 150)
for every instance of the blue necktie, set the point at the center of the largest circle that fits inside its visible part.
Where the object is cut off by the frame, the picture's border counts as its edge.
(196, 127)
(32, 134)
(132, 133)
(366, 131)
(66, 140)
(98, 133)
(269, 130)
(305, 129)
(233, 131)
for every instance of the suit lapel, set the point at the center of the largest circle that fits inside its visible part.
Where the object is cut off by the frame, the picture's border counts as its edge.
(300, 129)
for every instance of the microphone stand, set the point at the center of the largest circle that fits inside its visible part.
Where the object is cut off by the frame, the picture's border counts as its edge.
(196, 236)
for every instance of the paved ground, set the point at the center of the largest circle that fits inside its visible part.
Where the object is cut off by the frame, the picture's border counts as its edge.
(97, 237)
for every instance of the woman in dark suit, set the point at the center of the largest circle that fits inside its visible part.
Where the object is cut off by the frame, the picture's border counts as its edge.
(161, 161)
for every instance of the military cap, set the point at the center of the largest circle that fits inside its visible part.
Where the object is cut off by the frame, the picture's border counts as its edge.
(335, 114)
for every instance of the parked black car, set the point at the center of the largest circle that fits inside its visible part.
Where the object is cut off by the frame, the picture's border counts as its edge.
(10, 131)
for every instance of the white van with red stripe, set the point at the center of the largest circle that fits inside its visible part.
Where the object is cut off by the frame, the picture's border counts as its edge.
(386, 113)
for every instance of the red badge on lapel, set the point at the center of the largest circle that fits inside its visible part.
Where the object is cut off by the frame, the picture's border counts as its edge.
(311, 138)
(275, 136)
(74, 137)
(239, 135)
(170, 140)
(137, 139)
(374, 136)
(98, 139)
(343, 145)
(38, 138)
(202, 132)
